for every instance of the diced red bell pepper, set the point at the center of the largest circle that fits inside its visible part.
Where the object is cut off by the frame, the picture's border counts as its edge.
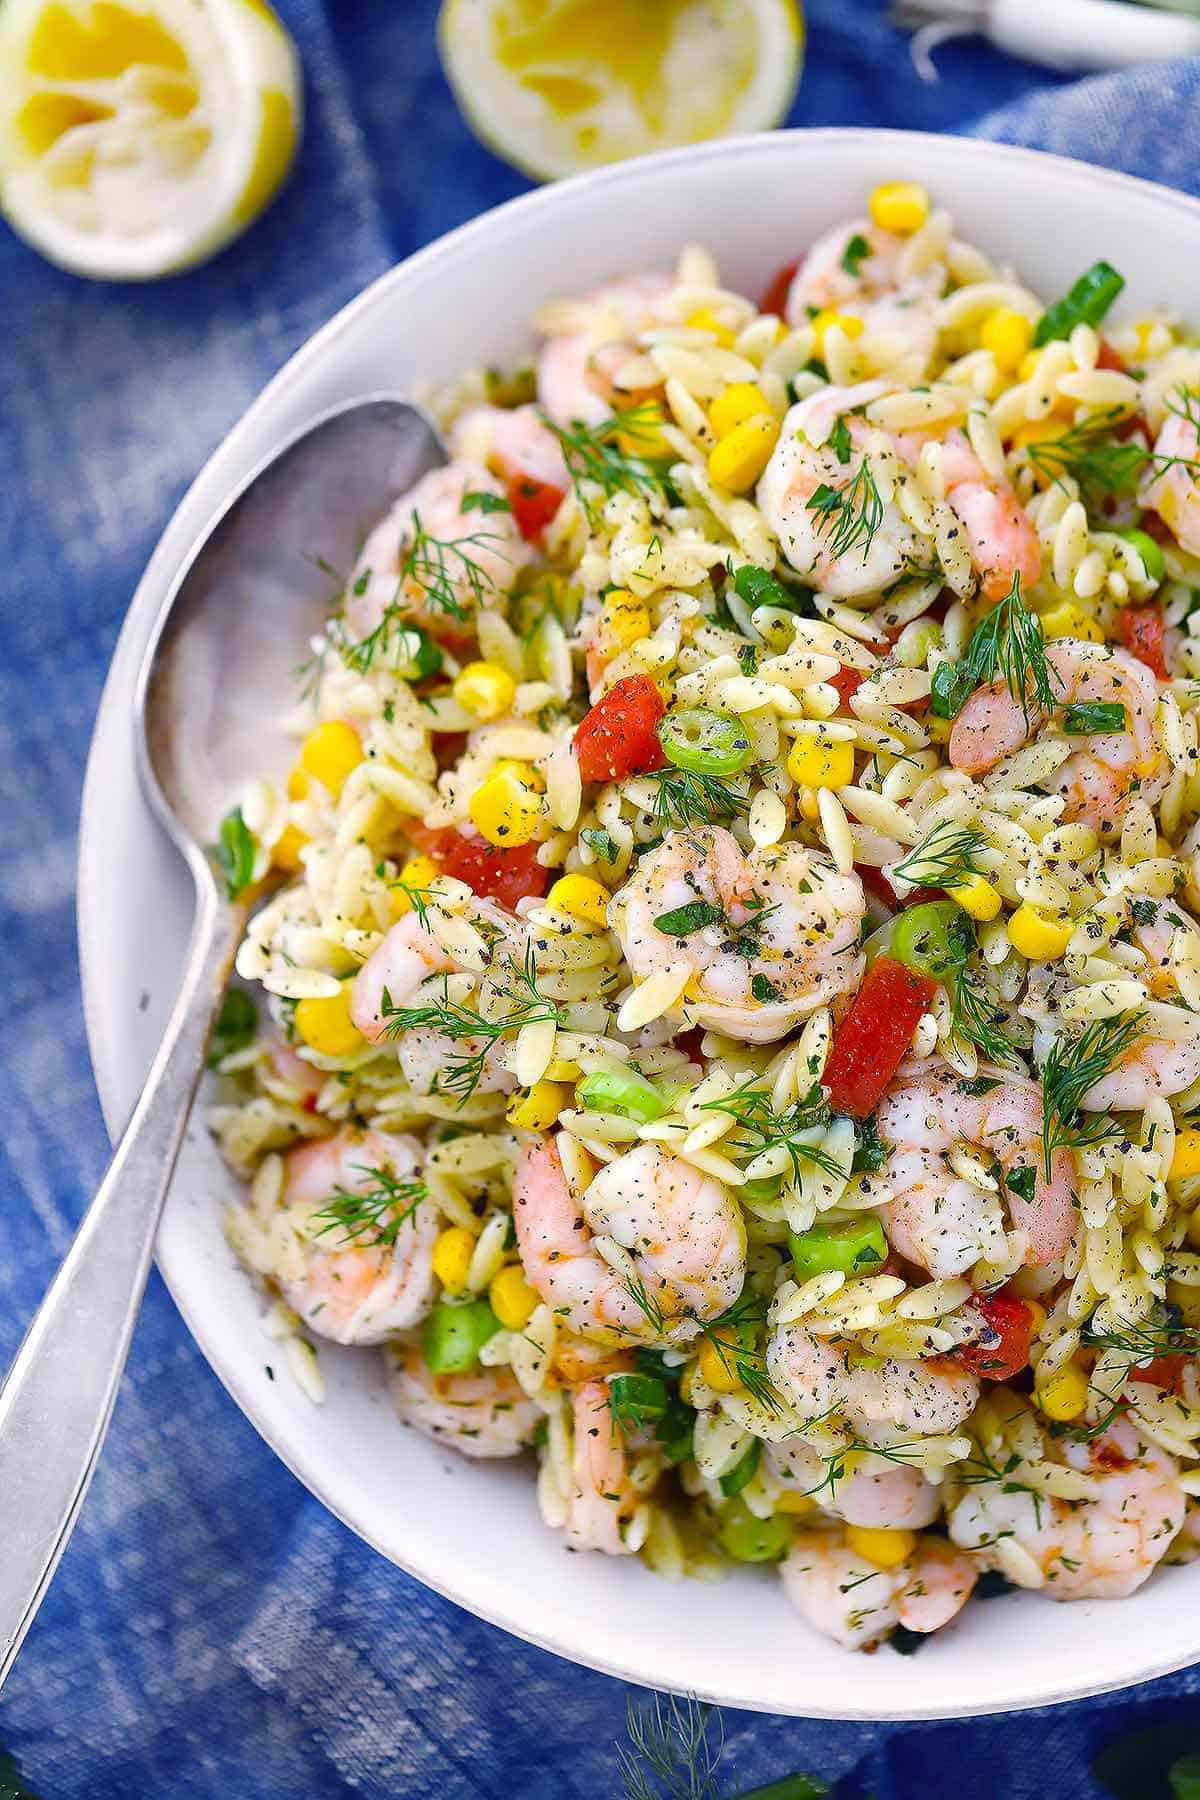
(619, 736)
(1161, 1372)
(496, 874)
(877, 885)
(534, 503)
(1003, 1351)
(847, 681)
(1108, 358)
(1142, 631)
(870, 1043)
(775, 298)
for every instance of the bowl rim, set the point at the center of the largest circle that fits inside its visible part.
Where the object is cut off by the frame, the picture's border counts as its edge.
(121, 675)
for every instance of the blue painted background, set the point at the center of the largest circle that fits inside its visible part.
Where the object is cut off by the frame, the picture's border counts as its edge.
(212, 1633)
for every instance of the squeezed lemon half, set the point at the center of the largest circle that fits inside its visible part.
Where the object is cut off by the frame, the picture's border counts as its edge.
(556, 86)
(139, 136)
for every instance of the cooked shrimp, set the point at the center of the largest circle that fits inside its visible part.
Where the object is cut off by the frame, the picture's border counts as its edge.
(576, 369)
(476, 559)
(355, 1292)
(295, 1071)
(513, 442)
(787, 916)
(1151, 1066)
(870, 287)
(682, 1230)
(1100, 1548)
(803, 462)
(1100, 778)
(821, 1378)
(1002, 539)
(881, 1494)
(1157, 927)
(943, 1221)
(844, 1596)
(482, 1414)
(602, 1499)
(1174, 493)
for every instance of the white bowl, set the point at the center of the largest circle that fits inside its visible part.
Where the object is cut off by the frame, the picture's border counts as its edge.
(472, 1530)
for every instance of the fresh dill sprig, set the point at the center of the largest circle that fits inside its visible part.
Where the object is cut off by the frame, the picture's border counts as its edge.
(1163, 1334)
(466, 1026)
(1074, 1066)
(974, 1013)
(419, 898)
(849, 514)
(1009, 645)
(1098, 462)
(761, 1128)
(943, 857)
(740, 1354)
(442, 569)
(648, 1304)
(835, 1461)
(671, 1755)
(597, 456)
(685, 798)
(375, 1216)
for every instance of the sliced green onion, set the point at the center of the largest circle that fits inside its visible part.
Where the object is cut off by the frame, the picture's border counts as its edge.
(453, 1336)
(949, 688)
(747, 1539)
(762, 1187)
(1093, 715)
(1085, 303)
(675, 1432)
(851, 1249)
(627, 1094)
(686, 920)
(636, 1398)
(927, 938)
(705, 742)
(742, 1472)
(1153, 560)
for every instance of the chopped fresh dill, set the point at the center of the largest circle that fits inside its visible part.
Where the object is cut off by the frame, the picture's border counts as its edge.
(741, 1355)
(466, 1026)
(943, 857)
(850, 514)
(597, 457)
(974, 1012)
(1163, 1334)
(1008, 645)
(420, 899)
(761, 1128)
(685, 798)
(444, 571)
(375, 1216)
(835, 1461)
(1074, 1066)
(1103, 465)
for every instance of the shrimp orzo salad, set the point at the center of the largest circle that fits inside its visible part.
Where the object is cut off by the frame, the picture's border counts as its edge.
(731, 937)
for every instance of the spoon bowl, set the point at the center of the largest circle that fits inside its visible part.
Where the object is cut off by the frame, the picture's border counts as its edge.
(217, 673)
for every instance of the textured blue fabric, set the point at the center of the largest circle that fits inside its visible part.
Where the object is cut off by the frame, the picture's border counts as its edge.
(212, 1631)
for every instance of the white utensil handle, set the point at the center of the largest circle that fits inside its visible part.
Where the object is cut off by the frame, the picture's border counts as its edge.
(1090, 34)
(59, 1394)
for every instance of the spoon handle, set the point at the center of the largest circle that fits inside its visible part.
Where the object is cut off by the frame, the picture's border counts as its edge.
(58, 1396)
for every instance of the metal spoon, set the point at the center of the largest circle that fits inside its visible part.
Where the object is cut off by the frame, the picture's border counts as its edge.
(218, 672)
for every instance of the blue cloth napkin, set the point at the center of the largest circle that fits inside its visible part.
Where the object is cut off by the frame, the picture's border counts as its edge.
(212, 1631)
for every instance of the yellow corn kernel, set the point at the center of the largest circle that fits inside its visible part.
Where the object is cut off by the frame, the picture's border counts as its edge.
(939, 729)
(705, 319)
(1027, 365)
(1193, 1229)
(506, 809)
(977, 897)
(326, 1025)
(1039, 431)
(814, 762)
(1039, 1313)
(1064, 1395)
(329, 753)
(285, 852)
(1006, 334)
(643, 436)
(717, 1367)
(582, 897)
(623, 621)
(1186, 1160)
(297, 784)
(793, 1501)
(1070, 621)
(740, 401)
(810, 805)
(738, 459)
(417, 873)
(1036, 937)
(485, 689)
(512, 1299)
(1187, 1300)
(536, 1108)
(452, 1253)
(900, 206)
(561, 1068)
(850, 326)
(886, 1548)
